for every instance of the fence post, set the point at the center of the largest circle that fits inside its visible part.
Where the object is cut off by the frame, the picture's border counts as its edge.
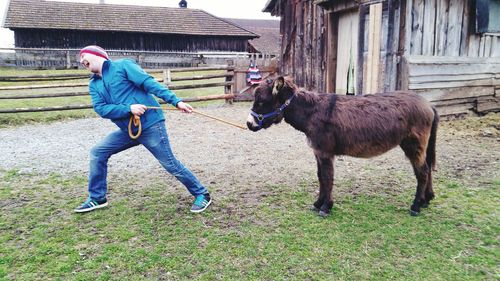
(229, 78)
(167, 77)
(68, 60)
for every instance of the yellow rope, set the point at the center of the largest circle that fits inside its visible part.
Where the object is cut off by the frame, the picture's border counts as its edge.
(136, 120)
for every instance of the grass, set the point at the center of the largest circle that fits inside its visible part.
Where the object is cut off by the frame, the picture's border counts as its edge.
(150, 234)
(11, 119)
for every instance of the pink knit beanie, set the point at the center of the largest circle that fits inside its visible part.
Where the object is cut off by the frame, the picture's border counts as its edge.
(94, 50)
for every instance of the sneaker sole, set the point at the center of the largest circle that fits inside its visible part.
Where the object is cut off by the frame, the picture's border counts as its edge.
(91, 209)
(201, 210)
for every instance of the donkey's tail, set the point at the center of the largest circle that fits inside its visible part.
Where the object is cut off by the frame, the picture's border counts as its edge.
(431, 146)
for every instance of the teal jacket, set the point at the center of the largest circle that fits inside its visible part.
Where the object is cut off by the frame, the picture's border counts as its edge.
(122, 84)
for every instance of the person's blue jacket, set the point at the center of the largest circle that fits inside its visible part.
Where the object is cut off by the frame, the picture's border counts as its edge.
(122, 84)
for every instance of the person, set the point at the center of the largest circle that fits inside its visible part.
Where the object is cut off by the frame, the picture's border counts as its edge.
(119, 89)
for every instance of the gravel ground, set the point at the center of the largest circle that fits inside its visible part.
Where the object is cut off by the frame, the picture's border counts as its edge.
(227, 158)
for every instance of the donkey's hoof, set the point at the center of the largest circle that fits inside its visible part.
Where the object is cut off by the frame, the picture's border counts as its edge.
(323, 214)
(414, 213)
(314, 209)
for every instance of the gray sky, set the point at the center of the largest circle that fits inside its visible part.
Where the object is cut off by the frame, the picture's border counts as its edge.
(242, 9)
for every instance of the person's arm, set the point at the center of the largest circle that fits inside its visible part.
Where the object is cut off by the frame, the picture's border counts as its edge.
(106, 110)
(145, 81)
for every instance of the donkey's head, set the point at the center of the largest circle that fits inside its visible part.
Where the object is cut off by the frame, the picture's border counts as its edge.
(271, 99)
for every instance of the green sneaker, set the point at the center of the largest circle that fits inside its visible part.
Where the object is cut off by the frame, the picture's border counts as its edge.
(201, 202)
(91, 204)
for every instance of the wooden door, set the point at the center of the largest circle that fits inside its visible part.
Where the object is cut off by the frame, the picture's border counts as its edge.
(347, 46)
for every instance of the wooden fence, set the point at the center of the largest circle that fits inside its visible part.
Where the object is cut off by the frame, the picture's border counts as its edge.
(68, 88)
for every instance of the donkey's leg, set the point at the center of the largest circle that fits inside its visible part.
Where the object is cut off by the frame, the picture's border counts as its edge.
(422, 174)
(325, 177)
(321, 197)
(429, 191)
(415, 151)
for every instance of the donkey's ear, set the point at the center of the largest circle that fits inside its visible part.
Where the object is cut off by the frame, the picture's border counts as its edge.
(278, 85)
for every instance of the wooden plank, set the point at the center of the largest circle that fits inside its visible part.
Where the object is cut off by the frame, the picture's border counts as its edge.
(495, 47)
(441, 27)
(429, 28)
(437, 85)
(482, 42)
(396, 11)
(373, 66)
(417, 27)
(40, 96)
(487, 46)
(488, 104)
(376, 48)
(332, 52)
(473, 46)
(369, 58)
(454, 32)
(451, 60)
(441, 103)
(403, 73)
(360, 49)
(407, 17)
(452, 69)
(448, 78)
(464, 108)
(391, 45)
(466, 20)
(455, 93)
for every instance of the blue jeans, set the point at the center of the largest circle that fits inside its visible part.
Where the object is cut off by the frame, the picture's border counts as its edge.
(155, 139)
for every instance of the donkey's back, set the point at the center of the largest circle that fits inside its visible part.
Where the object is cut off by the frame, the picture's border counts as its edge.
(366, 126)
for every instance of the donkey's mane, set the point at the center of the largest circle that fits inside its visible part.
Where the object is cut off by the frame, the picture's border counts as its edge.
(307, 96)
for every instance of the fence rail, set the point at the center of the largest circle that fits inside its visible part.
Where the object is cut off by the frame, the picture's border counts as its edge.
(228, 86)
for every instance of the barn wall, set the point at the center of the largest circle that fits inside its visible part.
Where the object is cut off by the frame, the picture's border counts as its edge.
(446, 61)
(446, 28)
(47, 38)
(303, 52)
(415, 36)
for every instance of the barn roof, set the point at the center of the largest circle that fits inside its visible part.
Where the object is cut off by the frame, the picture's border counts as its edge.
(41, 14)
(269, 31)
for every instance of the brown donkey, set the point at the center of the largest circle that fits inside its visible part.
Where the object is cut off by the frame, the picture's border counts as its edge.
(359, 126)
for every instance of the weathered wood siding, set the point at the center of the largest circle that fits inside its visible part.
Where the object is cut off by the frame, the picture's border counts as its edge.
(303, 53)
(415, 36)
(445, 60)
(446, 28)
(455, 85)
(48, 38)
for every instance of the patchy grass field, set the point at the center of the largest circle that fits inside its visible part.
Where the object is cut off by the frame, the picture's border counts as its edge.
(265, 232)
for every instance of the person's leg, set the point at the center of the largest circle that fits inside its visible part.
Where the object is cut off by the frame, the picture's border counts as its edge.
(155, 139)
(99, 155)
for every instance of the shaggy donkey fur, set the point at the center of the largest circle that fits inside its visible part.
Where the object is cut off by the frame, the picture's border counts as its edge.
(358, 126)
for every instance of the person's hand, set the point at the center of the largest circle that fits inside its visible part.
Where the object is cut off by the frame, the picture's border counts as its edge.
(184, 107)
(138, 109)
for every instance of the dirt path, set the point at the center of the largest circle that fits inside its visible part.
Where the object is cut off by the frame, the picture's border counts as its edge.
(228, 159)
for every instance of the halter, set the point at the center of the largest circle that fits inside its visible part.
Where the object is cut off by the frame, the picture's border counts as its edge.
(262, 117)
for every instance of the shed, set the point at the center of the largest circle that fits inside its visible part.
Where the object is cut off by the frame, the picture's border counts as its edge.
(51, 24)
(446, 50)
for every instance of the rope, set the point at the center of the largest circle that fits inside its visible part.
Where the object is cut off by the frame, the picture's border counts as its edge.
(136, 120)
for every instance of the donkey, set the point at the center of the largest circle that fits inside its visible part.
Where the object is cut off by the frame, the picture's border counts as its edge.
(358, 126)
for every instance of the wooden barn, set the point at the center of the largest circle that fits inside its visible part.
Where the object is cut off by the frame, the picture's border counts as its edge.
(51, 24)
(446, 50)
